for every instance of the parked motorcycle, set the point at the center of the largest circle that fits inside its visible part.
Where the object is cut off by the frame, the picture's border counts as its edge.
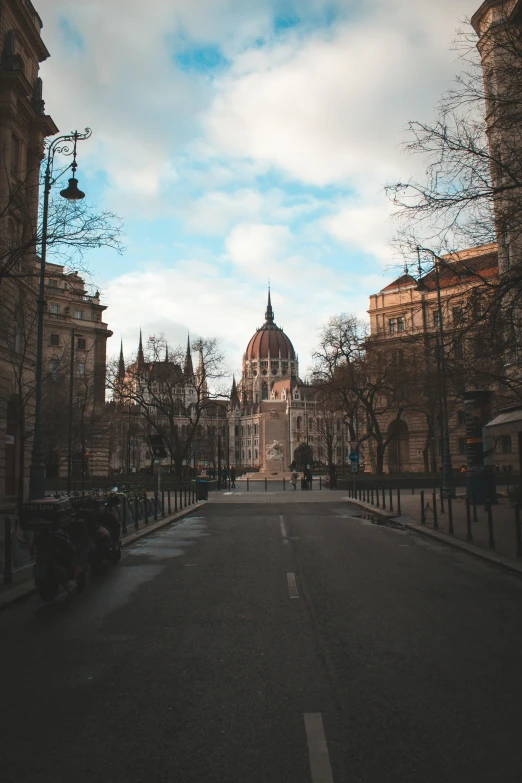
(104, 530)
(61, 545)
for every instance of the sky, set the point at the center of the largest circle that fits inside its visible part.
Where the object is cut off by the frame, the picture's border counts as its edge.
(243, 141)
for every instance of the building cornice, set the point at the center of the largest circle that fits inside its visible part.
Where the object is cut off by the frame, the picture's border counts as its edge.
(489, 5)
(20, 10)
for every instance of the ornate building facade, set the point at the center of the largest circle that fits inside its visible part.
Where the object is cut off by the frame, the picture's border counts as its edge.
(24, 125)
(275, 418)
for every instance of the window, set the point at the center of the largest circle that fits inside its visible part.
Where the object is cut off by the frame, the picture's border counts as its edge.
(52, 283)
(506, 445)
(459, 348)
(53, 365)
(78, 314)
(81, 370)
(461, 418)
(55, 309)
(298, 423)
(264, 392)
(236, 431)
(392, 324)
(462, 445)
(15, 154)
(436, 318)
(55, 339)
(400, 324)
(457, 315)
(82, 343)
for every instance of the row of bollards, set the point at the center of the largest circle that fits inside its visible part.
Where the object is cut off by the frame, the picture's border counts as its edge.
(382, 496)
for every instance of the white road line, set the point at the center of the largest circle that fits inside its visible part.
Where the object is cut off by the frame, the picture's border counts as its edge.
(317, 748)
(283, 530)
(292, 587)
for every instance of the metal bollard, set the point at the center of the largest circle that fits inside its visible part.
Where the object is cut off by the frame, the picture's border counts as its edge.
(175, 499)
(248, 488)
(475, 518)
(284, 484)
(137, 512)
(384, 498)
(371, 490)
(518, 530)
(146, 508)
(391, 499)
(377, 493)
(451, 530)
(186, 504)
(491, 542)
(320, 482)
(8, 561)
(441, 500)
(124, 517)
(163, 503)
(423, 510)
(435, 517)
(398, 500)
(180, 498)
(469, 534)
(168, 502)
(412, 490)
(266, 483)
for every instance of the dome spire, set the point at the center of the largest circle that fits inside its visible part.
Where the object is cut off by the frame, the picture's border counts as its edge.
(269, 315)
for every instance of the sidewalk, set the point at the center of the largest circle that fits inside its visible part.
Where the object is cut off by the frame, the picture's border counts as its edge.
(504, 528)
(23, 577)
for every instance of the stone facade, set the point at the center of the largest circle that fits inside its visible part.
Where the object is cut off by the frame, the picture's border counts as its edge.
(407, 309)
(23, 128)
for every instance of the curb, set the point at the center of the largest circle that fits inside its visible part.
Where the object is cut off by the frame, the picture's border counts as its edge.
(411, 524)
(16, 592)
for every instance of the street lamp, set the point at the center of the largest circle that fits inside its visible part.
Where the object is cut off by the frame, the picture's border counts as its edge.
(72, 193)
(447, 468)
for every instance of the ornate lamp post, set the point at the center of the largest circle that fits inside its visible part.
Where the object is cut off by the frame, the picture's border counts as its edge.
(61, 146)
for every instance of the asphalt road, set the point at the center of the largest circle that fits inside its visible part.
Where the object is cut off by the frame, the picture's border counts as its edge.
(272, 643)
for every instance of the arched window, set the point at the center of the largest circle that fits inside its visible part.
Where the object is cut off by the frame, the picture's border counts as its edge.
(310, 423)
(299, 422)
(264, 391)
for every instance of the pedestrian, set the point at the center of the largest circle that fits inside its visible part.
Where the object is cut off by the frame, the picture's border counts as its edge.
(224, 475)
(294, 478)
(308, 477)
(233, 478)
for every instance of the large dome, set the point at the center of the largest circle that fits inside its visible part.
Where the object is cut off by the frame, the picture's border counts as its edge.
(270, 341)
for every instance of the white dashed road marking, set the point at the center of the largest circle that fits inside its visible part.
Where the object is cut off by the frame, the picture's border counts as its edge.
(283, 530)
(320, 767)
(292, 587)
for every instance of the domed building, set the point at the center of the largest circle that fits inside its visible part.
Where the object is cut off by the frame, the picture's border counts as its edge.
(273, 415)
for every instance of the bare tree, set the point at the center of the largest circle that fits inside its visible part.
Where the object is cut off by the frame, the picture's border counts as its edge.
(172, 402)
(370, 382)
(73, 227)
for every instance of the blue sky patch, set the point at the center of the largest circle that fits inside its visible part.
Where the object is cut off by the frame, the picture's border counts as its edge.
(71, 35)
(201, 59)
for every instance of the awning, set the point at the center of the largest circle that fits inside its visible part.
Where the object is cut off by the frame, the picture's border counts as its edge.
(507, 423)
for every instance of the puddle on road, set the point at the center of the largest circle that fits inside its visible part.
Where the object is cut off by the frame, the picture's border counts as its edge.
(172, 541)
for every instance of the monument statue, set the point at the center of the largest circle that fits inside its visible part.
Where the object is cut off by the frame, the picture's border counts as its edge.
(274, 452)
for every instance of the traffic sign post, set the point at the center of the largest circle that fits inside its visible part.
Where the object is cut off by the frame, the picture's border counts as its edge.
(354, 456)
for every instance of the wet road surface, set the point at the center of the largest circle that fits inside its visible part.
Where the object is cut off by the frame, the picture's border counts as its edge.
(269, 643)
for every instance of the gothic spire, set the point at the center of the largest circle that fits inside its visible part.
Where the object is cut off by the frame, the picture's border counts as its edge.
(269, 315)
(166, 352)
(234, 396)
(141, 357)
(189, 369)
(121, 364)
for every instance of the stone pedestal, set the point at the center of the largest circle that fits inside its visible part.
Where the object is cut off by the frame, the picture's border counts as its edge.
(273, 444)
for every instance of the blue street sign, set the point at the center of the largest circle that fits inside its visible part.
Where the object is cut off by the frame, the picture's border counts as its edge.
(354, 456)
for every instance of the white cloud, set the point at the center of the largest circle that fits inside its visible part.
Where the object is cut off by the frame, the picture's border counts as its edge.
(367, 228)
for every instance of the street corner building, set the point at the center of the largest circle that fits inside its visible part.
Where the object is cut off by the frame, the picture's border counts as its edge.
(24, 126)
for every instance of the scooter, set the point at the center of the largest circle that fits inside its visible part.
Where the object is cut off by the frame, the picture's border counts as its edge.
(61, 545)
(104, 532)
